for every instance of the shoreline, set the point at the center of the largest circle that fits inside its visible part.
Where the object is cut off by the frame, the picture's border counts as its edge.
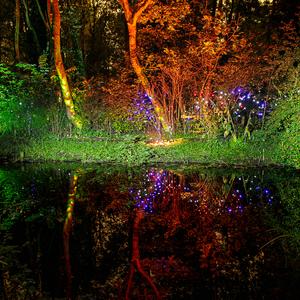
(205, 153)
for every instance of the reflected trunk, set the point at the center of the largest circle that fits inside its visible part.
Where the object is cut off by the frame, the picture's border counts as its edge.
(67, 230)
(135, 259)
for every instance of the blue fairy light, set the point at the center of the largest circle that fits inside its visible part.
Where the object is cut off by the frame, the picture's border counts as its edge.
(142, 111)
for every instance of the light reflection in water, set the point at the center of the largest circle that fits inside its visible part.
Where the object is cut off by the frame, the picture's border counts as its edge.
(219, 214)
(161, 185)
(163, 233)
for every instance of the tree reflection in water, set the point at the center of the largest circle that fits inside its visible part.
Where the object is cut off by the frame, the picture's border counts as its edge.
(165, 233)
(68, 228)
(205, 220)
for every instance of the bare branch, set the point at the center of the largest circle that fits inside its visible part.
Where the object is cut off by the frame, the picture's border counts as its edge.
(42, 14)
(143, 6)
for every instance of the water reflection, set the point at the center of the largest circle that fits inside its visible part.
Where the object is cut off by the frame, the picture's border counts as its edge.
(154, 233)
(213, 219)
(68, 228)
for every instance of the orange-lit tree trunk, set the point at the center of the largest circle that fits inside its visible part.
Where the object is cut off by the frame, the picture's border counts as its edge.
(17, 31)
(65, 88)
(132, 15)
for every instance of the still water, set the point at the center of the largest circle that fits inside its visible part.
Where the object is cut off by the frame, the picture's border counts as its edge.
(73, 231)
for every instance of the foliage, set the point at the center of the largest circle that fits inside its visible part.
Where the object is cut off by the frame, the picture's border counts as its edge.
(114, 106)
(191, 51)
(283, 128)
(97, 26)
(10, 106)
(24, 93)
(281, 61)
(212, 56)
(288, 224)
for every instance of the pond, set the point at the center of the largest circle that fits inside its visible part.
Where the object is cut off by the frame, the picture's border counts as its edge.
(71, 231)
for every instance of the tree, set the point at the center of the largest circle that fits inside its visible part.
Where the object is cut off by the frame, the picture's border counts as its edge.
(100, 33)
(7, 29)
(30, 26)
(165, 33)
(17, 32)
(132, 15)
(65, 88)
(172, 84)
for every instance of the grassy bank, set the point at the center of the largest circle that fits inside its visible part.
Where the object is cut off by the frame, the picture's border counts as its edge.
(135, 150)
(34, 127)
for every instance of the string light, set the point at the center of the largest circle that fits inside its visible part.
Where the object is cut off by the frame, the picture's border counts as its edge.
(141, 110)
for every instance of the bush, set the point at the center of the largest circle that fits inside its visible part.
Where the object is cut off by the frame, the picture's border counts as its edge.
(283, 129)
(24, 94)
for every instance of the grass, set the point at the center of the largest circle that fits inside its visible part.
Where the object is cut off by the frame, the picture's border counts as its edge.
(214, 152)
(136, 150)
(87, 151)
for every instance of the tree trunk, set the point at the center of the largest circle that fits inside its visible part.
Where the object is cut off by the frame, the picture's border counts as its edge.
(17, 32)
(65, 88)
(231, 11)
(220, 5)
(31, 28)
(214, 7)
(46, 23)
(131, 20)
(49, 12)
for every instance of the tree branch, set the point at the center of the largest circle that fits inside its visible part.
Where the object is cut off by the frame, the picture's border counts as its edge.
(143, 6)
(127, 10)
(42, 15)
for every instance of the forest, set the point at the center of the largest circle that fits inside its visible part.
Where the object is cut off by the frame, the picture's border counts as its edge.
(149, 149)
(214, 82)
